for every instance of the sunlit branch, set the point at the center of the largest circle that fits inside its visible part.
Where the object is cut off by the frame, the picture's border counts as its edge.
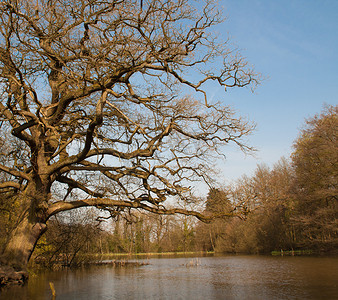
(102, 202)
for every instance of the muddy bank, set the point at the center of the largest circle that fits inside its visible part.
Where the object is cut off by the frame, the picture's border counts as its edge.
(9, 276)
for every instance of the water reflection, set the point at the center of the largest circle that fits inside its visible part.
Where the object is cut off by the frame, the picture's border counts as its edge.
(229, 277)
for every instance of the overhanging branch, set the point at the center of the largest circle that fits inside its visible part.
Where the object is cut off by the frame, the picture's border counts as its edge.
(65, 206)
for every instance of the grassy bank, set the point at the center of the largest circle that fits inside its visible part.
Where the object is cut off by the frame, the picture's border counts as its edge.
(146, 254)
(292, 252)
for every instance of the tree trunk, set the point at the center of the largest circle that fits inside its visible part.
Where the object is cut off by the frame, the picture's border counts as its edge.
(19, 249)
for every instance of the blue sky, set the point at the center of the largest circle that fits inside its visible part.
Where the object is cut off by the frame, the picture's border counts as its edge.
(294, 45)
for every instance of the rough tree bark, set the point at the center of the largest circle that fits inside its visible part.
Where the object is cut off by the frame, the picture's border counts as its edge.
(103, 104)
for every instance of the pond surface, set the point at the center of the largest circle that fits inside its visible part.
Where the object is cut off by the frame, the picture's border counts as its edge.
(226, 277)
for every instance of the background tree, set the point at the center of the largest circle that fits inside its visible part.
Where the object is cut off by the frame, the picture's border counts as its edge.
(106, 104)
(265, 197)
(217, 203)
(315, 161)
(273, 230)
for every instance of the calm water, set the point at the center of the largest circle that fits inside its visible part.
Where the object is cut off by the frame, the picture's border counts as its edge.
(227, 277)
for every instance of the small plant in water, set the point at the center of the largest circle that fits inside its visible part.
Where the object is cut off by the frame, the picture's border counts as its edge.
(193, 263)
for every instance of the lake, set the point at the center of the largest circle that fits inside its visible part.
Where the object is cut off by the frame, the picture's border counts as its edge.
(218, 277)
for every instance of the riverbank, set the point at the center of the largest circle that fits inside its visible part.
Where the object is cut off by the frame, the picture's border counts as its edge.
(117, 263)
(292, 252)
(99, 256)
(9, 276)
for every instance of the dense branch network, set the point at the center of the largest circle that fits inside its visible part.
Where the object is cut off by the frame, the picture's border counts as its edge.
(102, 97)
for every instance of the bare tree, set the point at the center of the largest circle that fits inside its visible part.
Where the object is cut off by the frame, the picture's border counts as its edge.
(107, 98)
(315, 186)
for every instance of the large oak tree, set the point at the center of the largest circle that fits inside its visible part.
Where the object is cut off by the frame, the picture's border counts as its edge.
(107, 98)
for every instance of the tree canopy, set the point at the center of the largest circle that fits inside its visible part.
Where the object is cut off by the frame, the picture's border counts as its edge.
(316, 157)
